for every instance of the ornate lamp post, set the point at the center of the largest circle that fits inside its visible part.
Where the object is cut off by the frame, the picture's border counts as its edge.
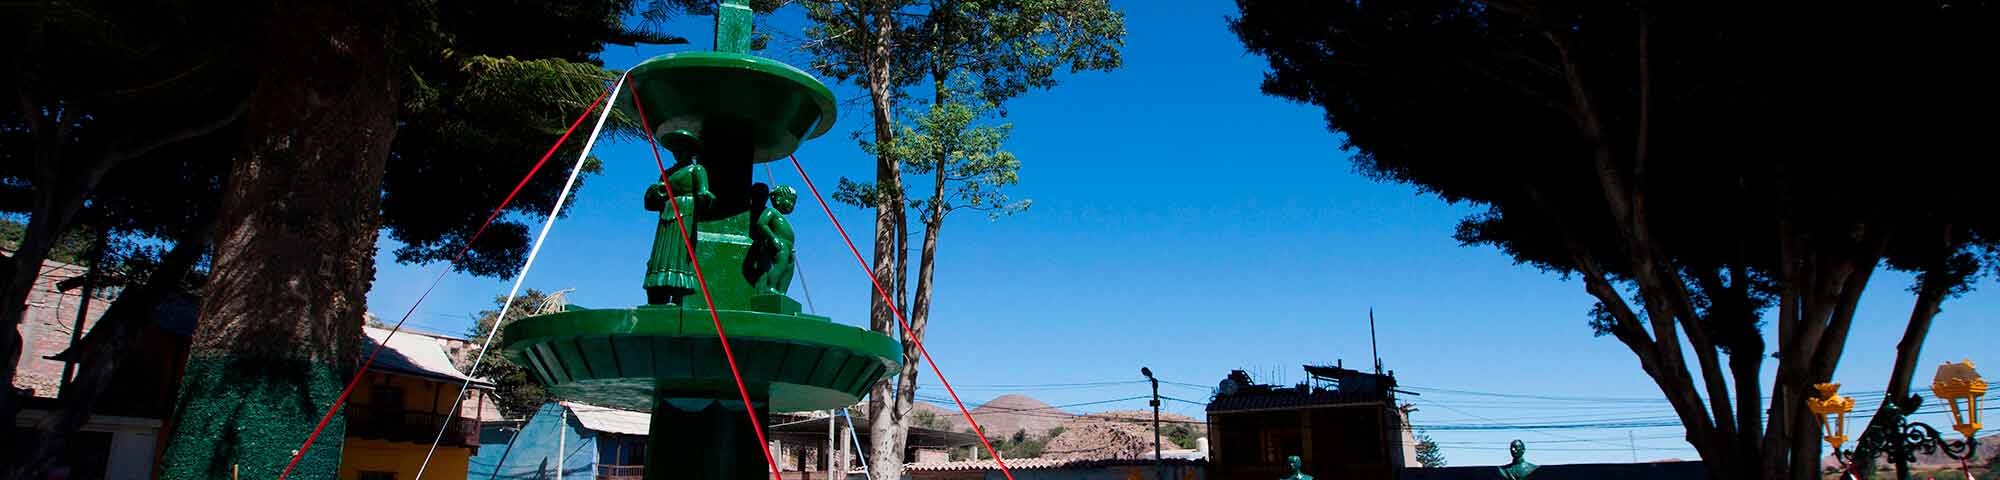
(1961, 388)
(1832, 410)
(1956, 383)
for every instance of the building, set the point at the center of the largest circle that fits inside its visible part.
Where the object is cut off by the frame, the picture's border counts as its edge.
(807, 435)
(583, 441)
(1047, 469)
(391, 419)
(605, 443)
(126, 429)
(402, 404)
(1341, 424)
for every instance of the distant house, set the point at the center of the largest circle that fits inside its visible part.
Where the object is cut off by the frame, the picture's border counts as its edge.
(126, 429)
(391, 419)
(1342, 424)
(583, 441)
(401, 407)
(589, 442)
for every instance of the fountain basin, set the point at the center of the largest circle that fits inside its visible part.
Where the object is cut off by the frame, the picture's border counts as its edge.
(765, 103)
(628, 357)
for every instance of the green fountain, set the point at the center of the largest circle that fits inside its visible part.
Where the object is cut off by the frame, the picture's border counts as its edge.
(720, 113)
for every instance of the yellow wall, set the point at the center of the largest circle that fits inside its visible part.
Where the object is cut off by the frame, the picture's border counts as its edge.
(403, 458)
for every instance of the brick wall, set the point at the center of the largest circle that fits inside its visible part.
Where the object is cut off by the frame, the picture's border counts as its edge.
(46, 329)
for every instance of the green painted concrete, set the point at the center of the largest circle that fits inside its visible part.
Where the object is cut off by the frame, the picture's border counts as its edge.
(732, 98)
(623, 357)
(252, 413)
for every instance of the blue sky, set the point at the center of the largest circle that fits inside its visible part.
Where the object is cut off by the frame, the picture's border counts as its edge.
(1185, 222)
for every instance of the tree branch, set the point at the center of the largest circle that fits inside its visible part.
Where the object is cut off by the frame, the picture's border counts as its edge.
(135, 147)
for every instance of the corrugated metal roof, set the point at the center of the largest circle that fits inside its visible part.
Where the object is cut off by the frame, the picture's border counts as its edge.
(413, 354)
(611, 420)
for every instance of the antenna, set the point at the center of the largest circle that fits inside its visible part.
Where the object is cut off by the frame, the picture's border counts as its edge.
(1372, 348)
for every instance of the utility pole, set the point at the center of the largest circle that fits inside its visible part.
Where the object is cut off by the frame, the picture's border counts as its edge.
(832, 443)
(1372, 349)
(562, 439)
(1159, 462)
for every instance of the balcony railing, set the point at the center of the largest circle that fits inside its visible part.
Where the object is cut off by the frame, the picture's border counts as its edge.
(401, 425)
(621, 472)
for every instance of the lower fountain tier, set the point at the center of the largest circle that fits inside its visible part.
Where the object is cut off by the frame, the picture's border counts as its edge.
(627, 357)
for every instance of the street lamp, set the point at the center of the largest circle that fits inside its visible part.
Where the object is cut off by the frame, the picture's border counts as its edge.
(1961, 388)
(1832, 410)
(1159, 462)
(1956, 383)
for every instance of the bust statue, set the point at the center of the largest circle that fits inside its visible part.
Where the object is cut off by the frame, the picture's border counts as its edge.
(1519, 469)
(1297, 474)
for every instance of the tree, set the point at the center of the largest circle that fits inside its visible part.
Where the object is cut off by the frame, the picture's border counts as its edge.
(466, 100)
(1680, 160)
(1182, 435)
(87, 97)
(516, 393)
(977, 54)
(155, 217)
(1428, 453)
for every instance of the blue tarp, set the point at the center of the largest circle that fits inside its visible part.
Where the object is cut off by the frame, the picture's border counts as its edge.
(529, 453)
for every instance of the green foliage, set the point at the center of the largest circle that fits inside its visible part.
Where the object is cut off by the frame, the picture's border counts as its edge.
(1181, 435)
(930, 420)
(1055, 432)
(72, 247)
(516, 393)
(946, 143)
(1020, 444)
(1716, 160)
(1428, 453)
(978, 54)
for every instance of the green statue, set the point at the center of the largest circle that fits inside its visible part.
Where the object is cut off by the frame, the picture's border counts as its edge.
(669, 272)
(1519, 469)
(773, 237)
(1296, 465)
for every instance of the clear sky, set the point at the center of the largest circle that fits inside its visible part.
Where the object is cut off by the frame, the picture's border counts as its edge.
(1186, 222)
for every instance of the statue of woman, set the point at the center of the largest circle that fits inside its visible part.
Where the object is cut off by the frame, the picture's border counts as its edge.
(670, 272)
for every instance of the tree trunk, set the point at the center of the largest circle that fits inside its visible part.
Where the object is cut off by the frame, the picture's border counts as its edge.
(886, 409)
(295, 243)
(105, 350)
(1930, 295)
(52, 214)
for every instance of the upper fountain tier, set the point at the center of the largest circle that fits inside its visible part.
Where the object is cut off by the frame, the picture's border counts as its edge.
(732, 99)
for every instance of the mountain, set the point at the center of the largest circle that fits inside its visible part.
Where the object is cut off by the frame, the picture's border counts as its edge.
(1112, 435)
(1000, 417)
(1005, 415)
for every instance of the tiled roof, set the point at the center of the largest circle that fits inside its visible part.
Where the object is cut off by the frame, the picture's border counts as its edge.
(1283, 400)
(1037, 464)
